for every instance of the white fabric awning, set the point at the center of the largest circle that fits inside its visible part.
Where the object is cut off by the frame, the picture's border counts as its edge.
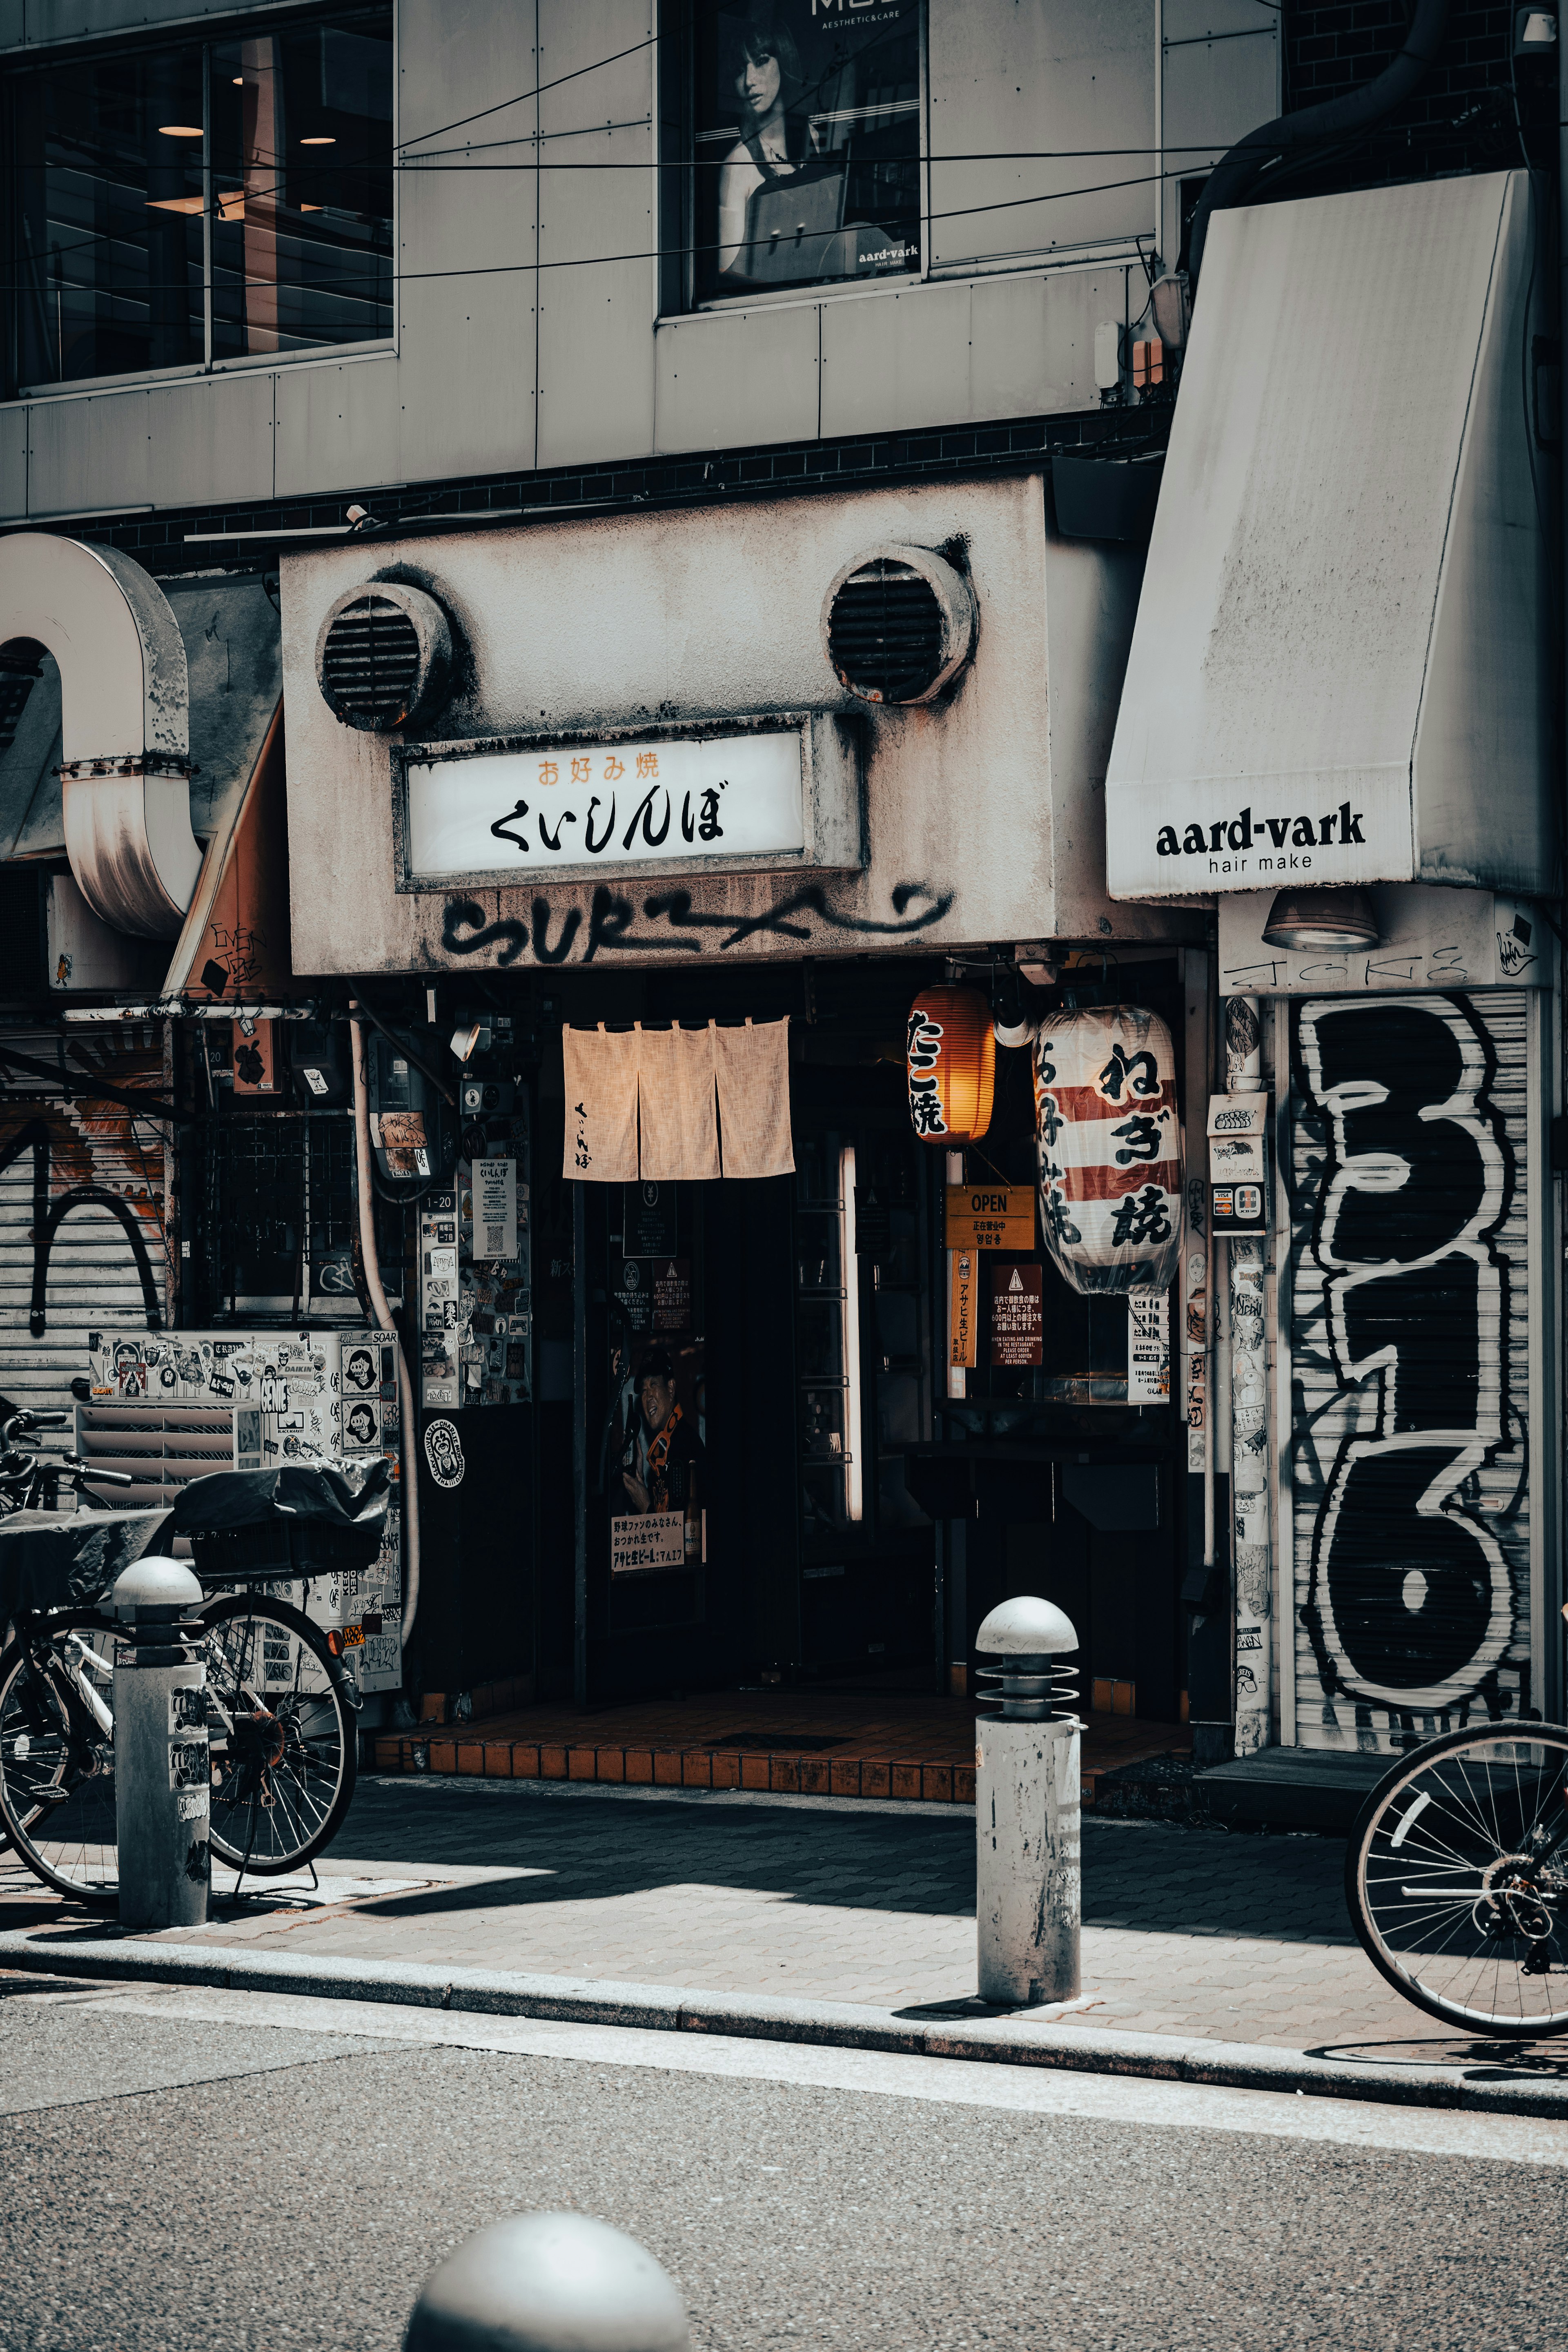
(1339, 672)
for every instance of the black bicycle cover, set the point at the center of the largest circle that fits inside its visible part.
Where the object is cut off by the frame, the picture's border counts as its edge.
(61, 1560)
(344, 1494)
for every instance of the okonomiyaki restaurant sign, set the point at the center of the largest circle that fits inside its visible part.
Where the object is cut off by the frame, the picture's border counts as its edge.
(589, 806)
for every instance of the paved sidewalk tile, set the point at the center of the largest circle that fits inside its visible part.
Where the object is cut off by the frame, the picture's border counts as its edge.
(1186, 1931)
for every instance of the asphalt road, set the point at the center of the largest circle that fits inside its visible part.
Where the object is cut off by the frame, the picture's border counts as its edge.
(188, 2170)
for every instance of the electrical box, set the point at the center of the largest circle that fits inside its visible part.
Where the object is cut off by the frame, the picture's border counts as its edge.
(408, 1128)
(1238, 1163)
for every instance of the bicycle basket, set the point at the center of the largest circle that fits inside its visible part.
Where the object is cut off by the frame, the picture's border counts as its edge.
(245, 1525)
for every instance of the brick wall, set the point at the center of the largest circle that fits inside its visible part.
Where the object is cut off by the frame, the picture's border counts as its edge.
(1462, 116)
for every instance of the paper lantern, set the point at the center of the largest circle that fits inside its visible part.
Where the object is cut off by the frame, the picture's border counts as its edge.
(1109, 1145)
(952, 1053)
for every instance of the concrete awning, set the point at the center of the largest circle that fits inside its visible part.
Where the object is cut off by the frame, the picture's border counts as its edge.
(1339, 670)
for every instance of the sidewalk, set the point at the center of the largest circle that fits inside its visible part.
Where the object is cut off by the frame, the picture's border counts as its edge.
(825, 1743)
(1189, 1933)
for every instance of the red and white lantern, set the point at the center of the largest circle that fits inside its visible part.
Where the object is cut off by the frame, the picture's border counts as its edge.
(1108, 1140)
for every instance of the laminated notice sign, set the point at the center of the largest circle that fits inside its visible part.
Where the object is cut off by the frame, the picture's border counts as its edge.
(647, 1543)
(1018, 1313)
(990, 1216)
(1148, 1347)
(495, 1208)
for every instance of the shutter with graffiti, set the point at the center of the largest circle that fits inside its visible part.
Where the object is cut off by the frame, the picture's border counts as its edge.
(1409, 1333)
(81, 1213)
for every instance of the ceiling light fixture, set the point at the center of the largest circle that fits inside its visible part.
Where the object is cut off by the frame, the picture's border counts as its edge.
(321, 141)
(179, 131)
(173, 204)
(1321, 919)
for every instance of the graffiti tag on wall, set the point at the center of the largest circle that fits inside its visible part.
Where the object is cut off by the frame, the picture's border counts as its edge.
(1416, 1573)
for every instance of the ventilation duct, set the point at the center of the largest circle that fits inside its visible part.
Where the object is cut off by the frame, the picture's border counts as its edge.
(124, 722)
(383, 657)
(898, 624)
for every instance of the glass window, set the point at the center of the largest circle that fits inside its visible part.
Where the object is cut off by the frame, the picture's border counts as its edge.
(179, 207)
(806, 143)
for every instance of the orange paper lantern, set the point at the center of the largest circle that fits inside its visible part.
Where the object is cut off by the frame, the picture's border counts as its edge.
(950, 1051)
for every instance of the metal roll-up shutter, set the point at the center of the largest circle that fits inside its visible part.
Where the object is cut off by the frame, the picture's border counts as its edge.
(1407, 1312)
(61, 1150)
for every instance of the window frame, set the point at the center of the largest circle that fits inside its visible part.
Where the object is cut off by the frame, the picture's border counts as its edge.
(208, 38)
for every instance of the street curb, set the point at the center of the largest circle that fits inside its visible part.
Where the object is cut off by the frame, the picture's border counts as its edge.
(1015, 2040)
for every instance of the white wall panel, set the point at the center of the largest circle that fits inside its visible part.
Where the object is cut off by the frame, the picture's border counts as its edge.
(595, 323)
(1049, 84)
(210, 441)
(727, 378)
(895, 362)
(340, 428)
(1222, 79)
(13, 461)
(1032, 340)
(465, 222)
(89, 453)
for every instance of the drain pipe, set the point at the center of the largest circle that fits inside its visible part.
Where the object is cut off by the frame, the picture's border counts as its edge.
(409, 1448)
(1231, 181)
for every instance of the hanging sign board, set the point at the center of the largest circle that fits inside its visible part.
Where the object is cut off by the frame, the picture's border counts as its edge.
(990, 1216)
(672, 1295)
(1018, 1313)
(1148, 1347)
(495, 1208)
(1238, 1187)
(960, 1317)
(647, 1543)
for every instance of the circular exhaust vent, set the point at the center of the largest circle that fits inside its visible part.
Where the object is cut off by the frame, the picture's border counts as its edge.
(898, 624)
(384, 656)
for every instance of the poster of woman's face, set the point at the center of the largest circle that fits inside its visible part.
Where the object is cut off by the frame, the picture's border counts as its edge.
(813, 112)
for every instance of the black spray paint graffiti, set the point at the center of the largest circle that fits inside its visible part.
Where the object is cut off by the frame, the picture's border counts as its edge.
(1410, 1600)
(611, 918)
(47, 1221)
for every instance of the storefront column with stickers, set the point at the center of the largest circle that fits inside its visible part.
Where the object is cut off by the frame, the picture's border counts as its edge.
(169, 1408)
(476, 1319)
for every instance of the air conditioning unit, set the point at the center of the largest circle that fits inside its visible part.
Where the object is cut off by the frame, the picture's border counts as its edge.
(383, 658)
(898, 624)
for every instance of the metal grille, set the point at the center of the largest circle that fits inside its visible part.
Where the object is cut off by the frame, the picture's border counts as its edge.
(270, 1180)
(162, 1450)
(370, 664)
(885, 632)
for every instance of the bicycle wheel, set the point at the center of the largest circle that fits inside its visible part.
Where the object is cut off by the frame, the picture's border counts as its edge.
(56, 1756)
(1445, 1884)
(281, 1718)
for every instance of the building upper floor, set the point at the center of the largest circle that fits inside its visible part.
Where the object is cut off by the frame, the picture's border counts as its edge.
(265, 254)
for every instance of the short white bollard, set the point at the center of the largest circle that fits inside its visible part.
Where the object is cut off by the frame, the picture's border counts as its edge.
(1028, 1837)
(549, 2282)
(162, 1774)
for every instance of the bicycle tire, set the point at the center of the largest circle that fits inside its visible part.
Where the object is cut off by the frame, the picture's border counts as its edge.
(71, 1844)
(1455, 1943)
(310, 1783)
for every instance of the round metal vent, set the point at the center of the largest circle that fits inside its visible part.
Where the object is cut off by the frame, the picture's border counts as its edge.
(383, 657)
(898, 624)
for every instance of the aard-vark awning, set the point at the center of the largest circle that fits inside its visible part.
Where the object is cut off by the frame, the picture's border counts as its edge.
(1340, 669)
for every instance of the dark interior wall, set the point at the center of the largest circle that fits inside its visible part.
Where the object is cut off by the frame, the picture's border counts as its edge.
(1461, 117)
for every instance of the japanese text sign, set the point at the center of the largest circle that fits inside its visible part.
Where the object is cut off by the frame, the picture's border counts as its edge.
(647, 1543)
(1148, 1347)
(961, 1315)
(592, 806)
(1018, 1313)
(994, 1216)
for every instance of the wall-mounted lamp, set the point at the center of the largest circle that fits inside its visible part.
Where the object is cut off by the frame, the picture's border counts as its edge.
(1321, 919)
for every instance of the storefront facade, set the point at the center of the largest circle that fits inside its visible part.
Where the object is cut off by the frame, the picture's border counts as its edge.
(1384, 1333)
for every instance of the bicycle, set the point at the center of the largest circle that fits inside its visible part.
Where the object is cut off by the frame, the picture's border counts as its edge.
(1457, 1878)
(280, 1708)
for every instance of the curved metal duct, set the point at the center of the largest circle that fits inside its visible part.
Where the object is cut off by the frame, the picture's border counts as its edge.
(125, 723)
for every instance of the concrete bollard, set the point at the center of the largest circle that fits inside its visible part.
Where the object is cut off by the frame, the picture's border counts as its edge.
(549, 2282)
(1029, 1893)
(162, 1774)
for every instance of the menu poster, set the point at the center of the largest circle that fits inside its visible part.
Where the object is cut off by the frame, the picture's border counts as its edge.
(1149, 1347)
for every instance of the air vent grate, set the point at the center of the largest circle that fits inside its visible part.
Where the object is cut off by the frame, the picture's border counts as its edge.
(371, 664)
(885, 633)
